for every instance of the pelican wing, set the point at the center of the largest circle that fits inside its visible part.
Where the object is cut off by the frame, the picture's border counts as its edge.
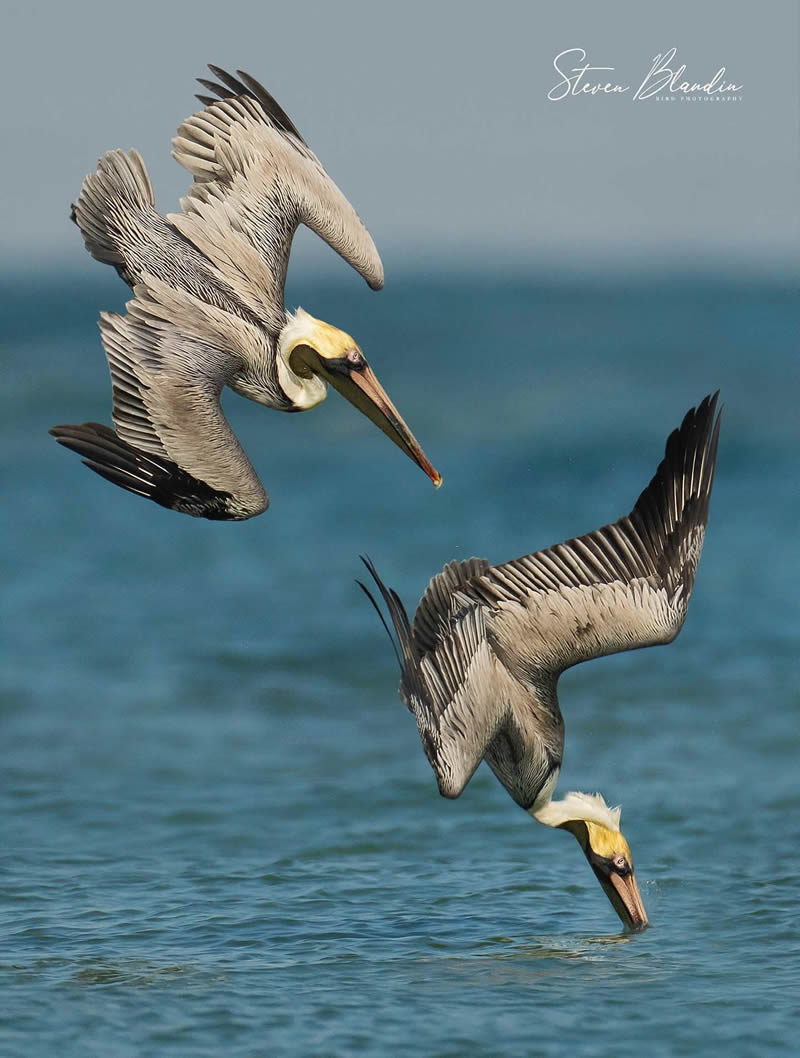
(455, 690)
(168, 362)
(256, 180)
(437, 605)
(624, 586)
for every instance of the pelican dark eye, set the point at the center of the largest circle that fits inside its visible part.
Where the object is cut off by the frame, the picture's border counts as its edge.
(355, 359)
(620, 864)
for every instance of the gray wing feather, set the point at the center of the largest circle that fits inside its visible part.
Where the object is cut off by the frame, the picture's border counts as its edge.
(436, 607)
(457, 701)
(255, 182)
(167, 377)
(456, 691)
(624, 586)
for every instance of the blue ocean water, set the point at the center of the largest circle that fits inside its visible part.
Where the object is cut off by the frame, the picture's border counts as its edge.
(219, 834)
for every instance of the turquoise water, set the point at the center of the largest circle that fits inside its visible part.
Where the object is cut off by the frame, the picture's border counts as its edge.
(219, 831)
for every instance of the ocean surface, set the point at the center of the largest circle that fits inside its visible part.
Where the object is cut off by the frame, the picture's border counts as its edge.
(218, 831)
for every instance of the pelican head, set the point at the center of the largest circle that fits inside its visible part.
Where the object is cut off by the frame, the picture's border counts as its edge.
(596, 827)
(311, 353)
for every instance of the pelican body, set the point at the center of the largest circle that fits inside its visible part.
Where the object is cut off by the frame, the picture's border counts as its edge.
(480, 663)
(208, 307)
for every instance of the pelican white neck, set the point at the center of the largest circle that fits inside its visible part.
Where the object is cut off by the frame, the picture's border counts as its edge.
(304, 392)
(591, 808)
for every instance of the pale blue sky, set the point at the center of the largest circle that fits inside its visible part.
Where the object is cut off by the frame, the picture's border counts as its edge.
(434, 120)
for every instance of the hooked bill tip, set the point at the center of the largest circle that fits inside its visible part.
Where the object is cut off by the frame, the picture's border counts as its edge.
(437, 480)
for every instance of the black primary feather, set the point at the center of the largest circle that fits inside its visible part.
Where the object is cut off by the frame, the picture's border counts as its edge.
(249, 86)
(154, 477)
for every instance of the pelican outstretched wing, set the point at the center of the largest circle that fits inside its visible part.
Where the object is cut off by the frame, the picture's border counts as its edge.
(256, 180)
(456, 691)
(624, 586)
(168, 360)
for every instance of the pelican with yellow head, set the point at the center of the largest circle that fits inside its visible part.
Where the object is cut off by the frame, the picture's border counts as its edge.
(596, 826)
(208, 307)
(480, 662)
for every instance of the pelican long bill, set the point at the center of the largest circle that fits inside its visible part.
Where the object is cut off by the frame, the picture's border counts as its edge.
(352, 376)
(623, 892)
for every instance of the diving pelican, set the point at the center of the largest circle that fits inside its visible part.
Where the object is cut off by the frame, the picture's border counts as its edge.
(481, 661)
(208, 306)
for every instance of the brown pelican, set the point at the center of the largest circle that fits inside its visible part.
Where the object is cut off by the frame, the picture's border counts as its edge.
(208, 306)
(481, 661)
